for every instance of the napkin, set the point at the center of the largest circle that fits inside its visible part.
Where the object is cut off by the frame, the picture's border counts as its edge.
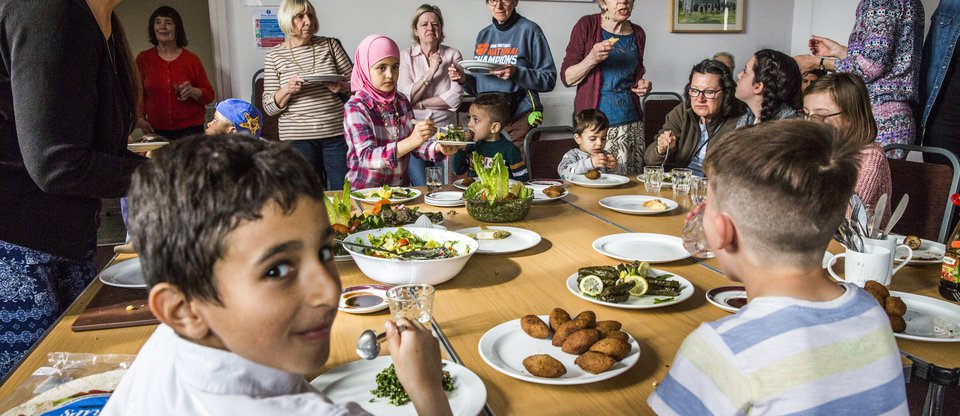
(424, 222)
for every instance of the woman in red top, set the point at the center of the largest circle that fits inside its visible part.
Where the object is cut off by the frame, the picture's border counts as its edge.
(175, 85)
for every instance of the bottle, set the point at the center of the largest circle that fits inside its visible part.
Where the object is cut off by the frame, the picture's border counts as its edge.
(950, 271)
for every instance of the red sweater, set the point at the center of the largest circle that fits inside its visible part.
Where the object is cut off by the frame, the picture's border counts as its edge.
(160, 105)
(585, 34)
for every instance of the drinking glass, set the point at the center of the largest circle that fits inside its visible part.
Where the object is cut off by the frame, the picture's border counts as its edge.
(681, 180)
(412, 301)
(652, 178)
(698, 189)
(694, 239)
(434, 177)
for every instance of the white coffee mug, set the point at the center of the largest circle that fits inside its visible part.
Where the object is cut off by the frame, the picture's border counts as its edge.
(890, 243)
(860, 267)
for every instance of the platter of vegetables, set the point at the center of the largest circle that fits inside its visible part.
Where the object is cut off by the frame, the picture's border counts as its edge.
(491, 198)
(629, 286)
(394, 194)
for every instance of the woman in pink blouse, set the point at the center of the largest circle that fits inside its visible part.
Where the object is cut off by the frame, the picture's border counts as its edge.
(840, 100)
(379, 123)
(422, 80)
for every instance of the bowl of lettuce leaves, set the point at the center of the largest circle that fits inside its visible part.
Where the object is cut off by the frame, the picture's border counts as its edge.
(491, 198)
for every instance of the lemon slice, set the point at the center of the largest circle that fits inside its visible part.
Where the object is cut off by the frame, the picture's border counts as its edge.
(591, 285)
(640, 286)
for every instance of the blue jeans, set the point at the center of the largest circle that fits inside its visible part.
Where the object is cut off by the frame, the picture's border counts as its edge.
(327, 156)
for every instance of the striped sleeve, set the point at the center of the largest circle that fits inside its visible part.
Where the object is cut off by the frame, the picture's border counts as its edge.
(271, 83)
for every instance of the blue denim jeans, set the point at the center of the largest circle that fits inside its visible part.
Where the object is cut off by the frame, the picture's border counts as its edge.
(327, 156)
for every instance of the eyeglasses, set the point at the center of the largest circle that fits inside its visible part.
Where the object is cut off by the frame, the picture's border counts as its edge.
(820, 118)
(708, 94)
(496, 2)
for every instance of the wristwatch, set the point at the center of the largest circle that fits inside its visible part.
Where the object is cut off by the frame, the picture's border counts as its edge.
(821, 64)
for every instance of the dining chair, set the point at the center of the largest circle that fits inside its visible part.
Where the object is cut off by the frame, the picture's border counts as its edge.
(270, 124)
(942, 387)
(656, 106)
(544, 147)
(930, 213)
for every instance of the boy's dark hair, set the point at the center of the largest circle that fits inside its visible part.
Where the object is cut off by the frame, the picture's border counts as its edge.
(590, 119)
(496, 105)
(781, 80)
(167, 11)
(786, 185)
(187, 199)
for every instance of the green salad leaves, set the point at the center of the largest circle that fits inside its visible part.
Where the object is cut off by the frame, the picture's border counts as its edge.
(494, 182)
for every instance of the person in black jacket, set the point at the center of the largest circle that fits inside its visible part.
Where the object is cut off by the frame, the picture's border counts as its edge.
(68, 99)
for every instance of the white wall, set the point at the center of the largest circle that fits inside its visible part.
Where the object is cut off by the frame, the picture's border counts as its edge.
(668, 58)
(832, 19)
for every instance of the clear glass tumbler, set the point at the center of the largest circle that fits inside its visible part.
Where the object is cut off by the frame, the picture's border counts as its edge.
(412, 301)
(698, 189)
(694, 239)
(652, 178)
(681, 180)
(434, 177)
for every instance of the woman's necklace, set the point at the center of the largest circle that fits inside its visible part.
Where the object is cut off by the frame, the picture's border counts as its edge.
(391, 120)
(294, 58)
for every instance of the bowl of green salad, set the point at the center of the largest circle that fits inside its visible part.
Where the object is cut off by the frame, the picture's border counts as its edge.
(447, 253)
(491, 198)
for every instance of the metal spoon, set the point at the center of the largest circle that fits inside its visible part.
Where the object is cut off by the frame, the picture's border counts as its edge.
(368, 346)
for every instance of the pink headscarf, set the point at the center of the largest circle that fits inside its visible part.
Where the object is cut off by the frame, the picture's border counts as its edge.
(371, 50)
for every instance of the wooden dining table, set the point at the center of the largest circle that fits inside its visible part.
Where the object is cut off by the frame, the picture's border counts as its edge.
(493, 289)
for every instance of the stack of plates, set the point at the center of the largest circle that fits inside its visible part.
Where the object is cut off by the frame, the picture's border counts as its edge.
(444, 198)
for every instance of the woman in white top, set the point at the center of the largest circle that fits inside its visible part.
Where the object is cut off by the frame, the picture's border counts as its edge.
(423, 80)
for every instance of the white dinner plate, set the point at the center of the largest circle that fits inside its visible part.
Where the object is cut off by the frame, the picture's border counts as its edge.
(520, 239)
(372, 200)
(728, 298)
(652, 248)
(929, 319)
(930, 252)
(454, 143)
(606, 180)
(667, 184)
(539, 197)
(444, 198)
(353, 381)
(323, 78)
(545, 182)
(364, 299)
(478, 67)
(633, 204)
(126, 274)
(505, 346)
(639, 302)
(143, 147)
(459, 183)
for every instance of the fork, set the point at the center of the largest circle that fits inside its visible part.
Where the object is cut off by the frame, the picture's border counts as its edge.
(413, 255)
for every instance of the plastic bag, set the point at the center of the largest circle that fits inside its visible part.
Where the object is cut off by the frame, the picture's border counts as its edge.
(49, 389)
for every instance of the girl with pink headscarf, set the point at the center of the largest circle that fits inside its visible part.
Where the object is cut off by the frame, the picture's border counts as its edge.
(378, 123)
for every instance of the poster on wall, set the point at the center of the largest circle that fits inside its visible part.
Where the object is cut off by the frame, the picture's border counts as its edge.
(266, 28)
(706, 16)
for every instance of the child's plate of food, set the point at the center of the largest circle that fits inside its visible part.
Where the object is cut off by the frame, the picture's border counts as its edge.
(453, 135)
(638, 204)
(598, 180)
(547, 193)
(364, 299)
(924, 251)
(510, 350)
(395, 194)
(357, 382)
(652, 248)
(728, 298)
(928, 319)
(478, 67)
(444, 198)
(464, 183)
(147, 143)
(323, 78)
(501, 240)
(126, 274)
(653, 289)
(667, 180)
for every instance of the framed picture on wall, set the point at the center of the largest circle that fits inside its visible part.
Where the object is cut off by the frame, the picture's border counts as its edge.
(706, 16)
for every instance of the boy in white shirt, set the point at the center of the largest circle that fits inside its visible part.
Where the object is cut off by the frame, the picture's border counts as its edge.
(804, 344)
(590, 132)
(237, 249)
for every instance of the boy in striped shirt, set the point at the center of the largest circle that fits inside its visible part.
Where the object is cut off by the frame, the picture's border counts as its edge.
(804, 344)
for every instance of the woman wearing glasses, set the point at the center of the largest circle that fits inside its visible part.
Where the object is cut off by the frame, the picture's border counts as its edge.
(710, 110)
(841, 100)
(604, 60)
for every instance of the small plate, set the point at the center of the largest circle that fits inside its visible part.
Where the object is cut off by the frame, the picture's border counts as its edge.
(505, 346)
(353, 381)
(124, 274)
(323, 78)
(728, 298)
(478, 67)
(539, 197)
(633, 204)
(606, 180)
(545, 182)
(929, 319)
(520, 239)
(143, 147)
(454, 143)
(930, 252)
(364, 299)
(638, 302)
(372, 200)
(342, 257)
(444, 198)
(459, 183)
(668, 184)
(652, 248)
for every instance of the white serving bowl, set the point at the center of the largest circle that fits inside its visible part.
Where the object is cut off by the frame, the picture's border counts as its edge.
(399, 271)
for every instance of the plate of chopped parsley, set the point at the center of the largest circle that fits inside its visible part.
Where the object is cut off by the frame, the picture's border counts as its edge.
(374, 386)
